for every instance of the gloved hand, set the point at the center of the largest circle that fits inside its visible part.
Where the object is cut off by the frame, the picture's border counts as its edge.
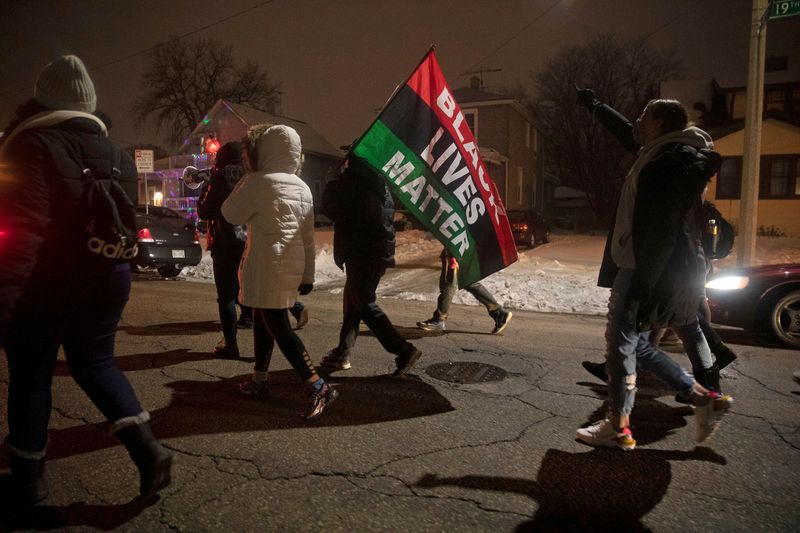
(639, 306)
(586, 98)
(305, 288)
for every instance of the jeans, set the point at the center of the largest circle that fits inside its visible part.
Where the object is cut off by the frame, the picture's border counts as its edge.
(226, 278)
(628, 348)
(271, 326)
(359, 304)
(695, 345)
(85, 324)
(448, 287)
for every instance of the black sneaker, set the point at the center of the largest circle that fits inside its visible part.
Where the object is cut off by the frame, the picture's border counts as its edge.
(225, 350)
(317, 401)
(501, 320)
(432, 324)
(336, 360)
(244, 323)
(301, 317)
(256, 389)
(598, 370)
(405, 362)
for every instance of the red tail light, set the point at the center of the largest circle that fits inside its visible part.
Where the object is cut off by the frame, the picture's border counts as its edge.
(519, 226)
(143, 235)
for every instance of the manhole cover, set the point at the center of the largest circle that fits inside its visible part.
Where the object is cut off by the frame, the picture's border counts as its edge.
(464, 372)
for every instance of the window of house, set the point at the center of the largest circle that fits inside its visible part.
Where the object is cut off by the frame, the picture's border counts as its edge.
(797, 176)
(729, 178)
(795, 101)
(779, 176)
(776, 100)
(471, 117)
(520, 191)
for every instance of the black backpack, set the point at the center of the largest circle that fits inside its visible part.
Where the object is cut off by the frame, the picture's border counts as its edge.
(108, 216)
(331, 199)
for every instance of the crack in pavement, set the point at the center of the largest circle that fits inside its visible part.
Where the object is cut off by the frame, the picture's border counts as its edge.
(780, 393)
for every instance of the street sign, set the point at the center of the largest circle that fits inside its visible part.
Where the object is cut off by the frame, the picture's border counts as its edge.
(784, 8)
(144, 161)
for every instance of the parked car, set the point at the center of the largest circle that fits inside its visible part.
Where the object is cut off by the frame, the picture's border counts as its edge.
(761, 298)
(167, 241)
(529, 228)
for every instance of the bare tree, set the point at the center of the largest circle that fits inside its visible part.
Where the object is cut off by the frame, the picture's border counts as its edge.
(185, 78)
(624, 74)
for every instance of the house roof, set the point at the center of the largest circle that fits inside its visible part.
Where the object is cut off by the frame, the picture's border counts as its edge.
(470, 94)
(312, 140)
(733, 126)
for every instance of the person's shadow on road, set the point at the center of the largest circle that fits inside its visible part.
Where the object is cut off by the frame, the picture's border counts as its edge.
(600, 490)
(208, 407)
(48, 517)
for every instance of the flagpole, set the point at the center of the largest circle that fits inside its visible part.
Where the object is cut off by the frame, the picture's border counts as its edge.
(389, 100)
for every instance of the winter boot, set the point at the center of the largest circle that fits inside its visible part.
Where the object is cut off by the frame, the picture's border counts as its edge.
(150, 457)
(708, 377)
(27, 480)
(723, 355)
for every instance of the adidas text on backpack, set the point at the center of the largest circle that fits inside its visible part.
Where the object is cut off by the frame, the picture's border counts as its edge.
(109, 218)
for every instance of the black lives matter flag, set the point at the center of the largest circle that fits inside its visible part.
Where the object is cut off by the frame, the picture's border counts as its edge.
(423, 147)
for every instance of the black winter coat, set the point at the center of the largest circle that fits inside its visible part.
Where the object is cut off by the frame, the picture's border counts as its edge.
(364, 224)
(669, 277)
(221, 233)
(40, 190)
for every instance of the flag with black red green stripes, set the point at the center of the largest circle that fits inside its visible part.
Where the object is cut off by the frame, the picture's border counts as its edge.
(424, 148)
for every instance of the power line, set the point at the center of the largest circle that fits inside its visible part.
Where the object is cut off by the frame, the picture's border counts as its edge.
(175, 39)
(673, 19)
(507, 41)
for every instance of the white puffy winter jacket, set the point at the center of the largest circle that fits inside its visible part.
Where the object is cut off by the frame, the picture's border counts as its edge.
(277, 207)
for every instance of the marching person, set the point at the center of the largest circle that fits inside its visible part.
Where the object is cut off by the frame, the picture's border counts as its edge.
(56, 289)
(278, 261)
(448, 285)
(654, 264)
(226, 244)
(363, 246)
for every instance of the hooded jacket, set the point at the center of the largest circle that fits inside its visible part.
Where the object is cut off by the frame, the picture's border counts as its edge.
(277, 207)
(224, 176)
(668, 260)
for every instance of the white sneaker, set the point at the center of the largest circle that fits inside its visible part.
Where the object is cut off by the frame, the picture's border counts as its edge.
(707, 417)
(603, 434)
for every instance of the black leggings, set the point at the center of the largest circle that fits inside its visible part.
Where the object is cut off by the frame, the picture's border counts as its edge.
(271, 326)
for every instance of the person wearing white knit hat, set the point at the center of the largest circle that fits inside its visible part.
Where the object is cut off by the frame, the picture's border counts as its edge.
(57, 291)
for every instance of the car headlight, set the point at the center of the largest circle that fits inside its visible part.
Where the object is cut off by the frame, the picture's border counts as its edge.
(728, 283)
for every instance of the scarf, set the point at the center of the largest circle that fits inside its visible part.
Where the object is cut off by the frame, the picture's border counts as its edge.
(622, 242)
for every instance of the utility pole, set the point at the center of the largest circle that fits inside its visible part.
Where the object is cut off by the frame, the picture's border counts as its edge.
(748, 214)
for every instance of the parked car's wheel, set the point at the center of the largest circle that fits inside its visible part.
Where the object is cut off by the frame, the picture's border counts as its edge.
(546, 238)
(169, 271)
(785, 319)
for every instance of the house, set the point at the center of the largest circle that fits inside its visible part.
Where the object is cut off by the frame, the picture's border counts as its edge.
(510, 144)
(723, 117)
(224, 122)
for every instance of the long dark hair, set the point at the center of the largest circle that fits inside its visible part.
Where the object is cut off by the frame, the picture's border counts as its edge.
(23, 113)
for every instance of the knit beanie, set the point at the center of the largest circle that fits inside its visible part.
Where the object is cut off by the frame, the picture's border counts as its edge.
(65, 84)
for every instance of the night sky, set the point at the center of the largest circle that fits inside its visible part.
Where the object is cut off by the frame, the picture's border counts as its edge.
(339, 60)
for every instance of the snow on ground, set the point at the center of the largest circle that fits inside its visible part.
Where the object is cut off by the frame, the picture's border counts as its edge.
(558, 277)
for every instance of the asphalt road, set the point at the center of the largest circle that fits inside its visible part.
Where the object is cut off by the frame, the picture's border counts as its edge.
(415, 454)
